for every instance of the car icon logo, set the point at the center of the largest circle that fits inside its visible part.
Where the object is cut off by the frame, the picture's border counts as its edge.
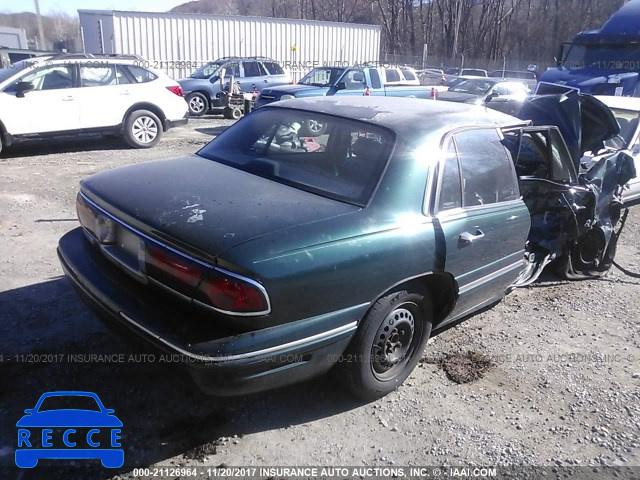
(53, 430)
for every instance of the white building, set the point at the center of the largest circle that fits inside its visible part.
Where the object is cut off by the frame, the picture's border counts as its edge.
(180, 42)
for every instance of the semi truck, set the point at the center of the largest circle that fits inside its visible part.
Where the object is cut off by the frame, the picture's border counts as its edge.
(600, 62)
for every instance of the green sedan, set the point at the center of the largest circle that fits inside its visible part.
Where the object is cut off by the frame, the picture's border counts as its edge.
(272, 255)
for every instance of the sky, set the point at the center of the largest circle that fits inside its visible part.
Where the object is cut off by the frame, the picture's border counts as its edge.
(71, 6)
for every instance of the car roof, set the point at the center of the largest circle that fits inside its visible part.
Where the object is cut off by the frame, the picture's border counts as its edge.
(408, 117)
(623, 103)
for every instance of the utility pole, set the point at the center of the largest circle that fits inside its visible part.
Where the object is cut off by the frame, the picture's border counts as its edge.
(42, 45)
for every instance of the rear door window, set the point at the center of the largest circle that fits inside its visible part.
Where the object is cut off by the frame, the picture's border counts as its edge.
(450, 192)
(273, 68)
(141, 75)
(253, 69)
(392, 75)
(101, 76)
(487, 170)
(408, 75)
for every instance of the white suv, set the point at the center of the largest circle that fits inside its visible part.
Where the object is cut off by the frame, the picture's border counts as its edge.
(69, 94)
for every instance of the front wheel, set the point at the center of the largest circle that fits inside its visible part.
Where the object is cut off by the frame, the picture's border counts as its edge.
(142, 129)
(387, 345)
(198, 104)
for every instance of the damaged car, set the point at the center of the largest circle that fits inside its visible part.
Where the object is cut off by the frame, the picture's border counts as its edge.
(577, 211)
(270, 257)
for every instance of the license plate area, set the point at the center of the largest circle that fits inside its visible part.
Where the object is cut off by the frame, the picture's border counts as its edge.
(128, 252)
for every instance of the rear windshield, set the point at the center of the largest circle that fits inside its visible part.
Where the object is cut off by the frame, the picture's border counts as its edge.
(335, 157)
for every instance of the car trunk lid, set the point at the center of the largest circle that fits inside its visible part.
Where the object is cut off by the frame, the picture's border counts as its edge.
(203, 207)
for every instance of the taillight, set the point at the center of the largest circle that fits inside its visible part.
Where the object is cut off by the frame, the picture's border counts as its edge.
(232, 294)
(86, 216)
(173, 270)
(177, 89)
(102, 227)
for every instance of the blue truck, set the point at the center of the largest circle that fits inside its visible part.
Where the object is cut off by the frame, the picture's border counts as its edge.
(601, 62)
(327, 81)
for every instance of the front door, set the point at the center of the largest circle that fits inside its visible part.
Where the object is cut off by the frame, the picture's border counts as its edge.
(51, 106)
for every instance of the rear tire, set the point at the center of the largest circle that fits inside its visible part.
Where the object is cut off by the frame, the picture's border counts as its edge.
(142, 129)
(198, 104)
(387, 346)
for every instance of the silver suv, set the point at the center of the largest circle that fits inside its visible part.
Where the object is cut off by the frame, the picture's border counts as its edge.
(202, 89)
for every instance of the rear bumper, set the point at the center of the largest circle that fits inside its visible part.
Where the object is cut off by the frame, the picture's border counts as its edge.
(176, 123)
(221, 361)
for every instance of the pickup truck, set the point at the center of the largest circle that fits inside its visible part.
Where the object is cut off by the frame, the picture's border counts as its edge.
(327, 81)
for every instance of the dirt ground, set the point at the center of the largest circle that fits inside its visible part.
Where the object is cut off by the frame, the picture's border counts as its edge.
(555, 368)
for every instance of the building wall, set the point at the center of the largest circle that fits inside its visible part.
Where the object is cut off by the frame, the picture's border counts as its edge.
(13, 38)
(180, 43)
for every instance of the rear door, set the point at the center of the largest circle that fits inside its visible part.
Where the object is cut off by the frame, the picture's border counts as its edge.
(253, 74)
(275, 75)
(481, 218)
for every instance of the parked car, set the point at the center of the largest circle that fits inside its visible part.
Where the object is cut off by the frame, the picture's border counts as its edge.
(247, 259)
(504, 96)
(329, 81)
(13, 55)
(474, 72)
(203, 87)
(431, 76)
(530, 79)
(265, 242)
(74, 94)
(627, 113)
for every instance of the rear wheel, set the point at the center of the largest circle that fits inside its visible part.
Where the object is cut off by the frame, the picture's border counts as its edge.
(198, 104)
(142, 129)
(387, 345)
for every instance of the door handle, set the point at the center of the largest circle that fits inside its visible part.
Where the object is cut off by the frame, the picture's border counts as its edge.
(126, 92)
(467, 238)
(266, 81)
(68, 99)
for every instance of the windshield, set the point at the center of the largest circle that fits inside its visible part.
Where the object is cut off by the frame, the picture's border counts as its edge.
(335, 157)
(321, 77)
(473, 87)
(206, 70)
(604, 57)
(628, 121)
(14, 68)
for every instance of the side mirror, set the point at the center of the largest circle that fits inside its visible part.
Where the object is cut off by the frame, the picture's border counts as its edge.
(22, 87)
(214, 79)
(341, 86)
(29, 411)
(491, 96)
(109, 411)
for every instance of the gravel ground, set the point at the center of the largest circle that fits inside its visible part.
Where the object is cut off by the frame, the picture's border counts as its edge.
(556, 367)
